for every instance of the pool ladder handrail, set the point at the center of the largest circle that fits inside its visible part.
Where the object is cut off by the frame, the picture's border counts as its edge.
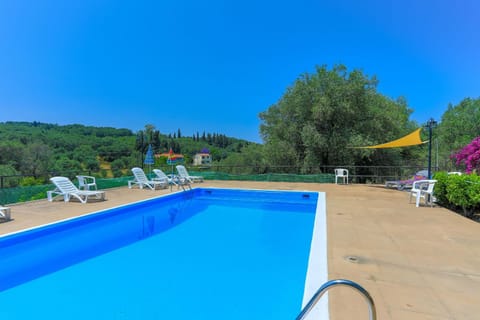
(333, 283)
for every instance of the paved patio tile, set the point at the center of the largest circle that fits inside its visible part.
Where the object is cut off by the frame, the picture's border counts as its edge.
(417, 263)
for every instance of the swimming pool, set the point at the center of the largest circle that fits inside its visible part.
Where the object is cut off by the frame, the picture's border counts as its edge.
(202, 254)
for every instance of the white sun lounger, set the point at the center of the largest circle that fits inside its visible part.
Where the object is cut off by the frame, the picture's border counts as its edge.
(183, 174)
(172, 180)
(66, 188)
(141, 180)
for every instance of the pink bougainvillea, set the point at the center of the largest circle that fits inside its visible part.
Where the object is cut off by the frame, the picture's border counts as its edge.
(470, 155)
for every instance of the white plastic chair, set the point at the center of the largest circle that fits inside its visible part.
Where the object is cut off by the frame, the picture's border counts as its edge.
(85, 182)
(423, 189)
(343, 174)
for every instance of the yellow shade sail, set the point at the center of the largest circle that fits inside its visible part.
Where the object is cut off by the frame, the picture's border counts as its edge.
(411, 139)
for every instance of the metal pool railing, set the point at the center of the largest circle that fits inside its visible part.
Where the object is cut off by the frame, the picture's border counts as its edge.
(333, 283)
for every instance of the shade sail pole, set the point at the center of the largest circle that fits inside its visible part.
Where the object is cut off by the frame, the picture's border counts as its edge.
(430, 124)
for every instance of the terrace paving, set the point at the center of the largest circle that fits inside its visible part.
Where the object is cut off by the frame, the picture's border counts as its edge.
(417, 263)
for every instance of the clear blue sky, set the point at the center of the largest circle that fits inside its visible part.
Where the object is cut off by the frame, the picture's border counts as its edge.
(215, 65)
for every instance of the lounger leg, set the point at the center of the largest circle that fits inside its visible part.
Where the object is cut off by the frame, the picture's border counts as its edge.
(80, 198)
(5, 213)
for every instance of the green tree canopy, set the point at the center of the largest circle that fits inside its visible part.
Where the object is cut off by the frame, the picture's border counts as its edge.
(322, 115)
(459, 125)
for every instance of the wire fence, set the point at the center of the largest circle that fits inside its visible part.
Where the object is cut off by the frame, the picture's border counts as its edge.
(12, 192)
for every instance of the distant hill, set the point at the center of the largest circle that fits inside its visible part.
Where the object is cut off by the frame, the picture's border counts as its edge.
(38, 149)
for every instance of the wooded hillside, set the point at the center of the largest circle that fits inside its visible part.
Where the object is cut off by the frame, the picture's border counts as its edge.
(40, 150)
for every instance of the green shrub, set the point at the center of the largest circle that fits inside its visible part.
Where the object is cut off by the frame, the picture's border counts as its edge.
(441, 188)
(31, 181)
(464, 192)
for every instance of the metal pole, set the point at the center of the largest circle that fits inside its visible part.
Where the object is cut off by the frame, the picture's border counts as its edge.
(430, 124)
(429, 150)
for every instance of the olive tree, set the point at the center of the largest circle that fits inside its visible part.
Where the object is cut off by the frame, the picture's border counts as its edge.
(323, 116)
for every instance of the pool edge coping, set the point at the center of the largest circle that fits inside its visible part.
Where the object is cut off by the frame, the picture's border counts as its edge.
(317, 270)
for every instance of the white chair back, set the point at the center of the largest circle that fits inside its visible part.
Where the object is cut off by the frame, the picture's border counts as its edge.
(431, 185)
(85, 182)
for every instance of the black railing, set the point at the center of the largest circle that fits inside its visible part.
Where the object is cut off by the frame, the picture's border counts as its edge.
(19, 188)
(357, 174)
(9, 181)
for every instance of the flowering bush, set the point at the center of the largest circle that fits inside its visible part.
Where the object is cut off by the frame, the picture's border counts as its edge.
(470, 155)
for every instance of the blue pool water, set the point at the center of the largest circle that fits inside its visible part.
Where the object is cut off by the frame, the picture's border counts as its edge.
(201, 254)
